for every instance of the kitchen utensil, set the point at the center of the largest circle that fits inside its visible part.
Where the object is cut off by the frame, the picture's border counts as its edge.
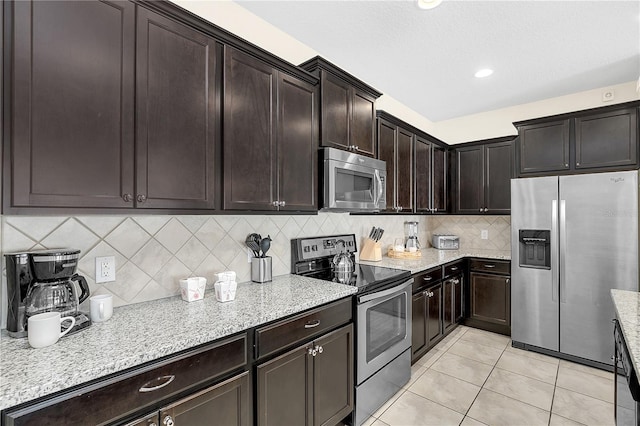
(101, 307)
(373, 232)
(44, 329)
(253, 245)
(265, 244)
(380, 233)
(261, 269)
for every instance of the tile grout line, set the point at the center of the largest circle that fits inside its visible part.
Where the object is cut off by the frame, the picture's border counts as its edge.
(553, 396)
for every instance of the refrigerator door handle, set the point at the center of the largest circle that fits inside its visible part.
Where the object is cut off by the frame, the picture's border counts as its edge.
(563, 244)
(554, 253)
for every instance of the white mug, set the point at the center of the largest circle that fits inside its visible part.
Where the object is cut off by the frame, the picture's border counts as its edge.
(44, 329)
(101, 307)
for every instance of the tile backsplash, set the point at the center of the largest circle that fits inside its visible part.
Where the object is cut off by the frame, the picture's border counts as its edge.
(153, 252)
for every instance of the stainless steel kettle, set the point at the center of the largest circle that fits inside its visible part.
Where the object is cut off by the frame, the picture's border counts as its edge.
(342, 262)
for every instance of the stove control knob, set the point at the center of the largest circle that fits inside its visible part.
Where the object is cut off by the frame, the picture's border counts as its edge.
(314, 247)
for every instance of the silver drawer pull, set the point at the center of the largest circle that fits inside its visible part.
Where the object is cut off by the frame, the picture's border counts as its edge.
(455, 268)
(164, 379)
(489, 266)
(312, 324)
(427, 278)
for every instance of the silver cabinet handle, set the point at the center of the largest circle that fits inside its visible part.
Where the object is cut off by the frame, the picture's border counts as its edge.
(320, 349)
(566, 164)
(456, 281)
(508, 280)
(480, 209)
(165, 380)
(141, 198)
(489, 266)
(127, 197)
(312, 324)
(486, 209)
(577, 164)
(427, 278)
(310, 351)
(167, 421)
(357, 148)
(282, 203)
(275, 203)
(454, 268)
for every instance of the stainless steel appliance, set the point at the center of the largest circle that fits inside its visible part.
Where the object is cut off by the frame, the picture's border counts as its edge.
(352, 182)
(573, 238)
(627, 389)
(411, 234)
(445, 242)
(382, 310)
(44, 281)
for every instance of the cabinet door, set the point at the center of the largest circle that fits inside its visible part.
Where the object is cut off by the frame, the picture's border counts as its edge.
(544, 147)
(440, 171)
(491, 298)
(249, 133)
(423, 175)
(284, 389)
(434, 314)
(336, 115)
(448, 309)
(72, 103)
(363, 122)
(386, 152)
(607, 140)
(333, 377)
(227, 403)
(497, 175)
(458, 298)
(176, 115)
(297, 144)
(404, 171)
(469, 180)
(419, 342)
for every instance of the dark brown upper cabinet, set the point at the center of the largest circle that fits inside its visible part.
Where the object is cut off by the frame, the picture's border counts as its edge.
(482, 178)
(176, 114)
(395, 147)
(71, 142)
(348, 117)
(431, 176)
(77, 68)
(602, 139)
(270, 137)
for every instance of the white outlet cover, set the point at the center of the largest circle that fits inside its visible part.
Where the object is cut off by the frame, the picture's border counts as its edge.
(105, 269)
(484, 234)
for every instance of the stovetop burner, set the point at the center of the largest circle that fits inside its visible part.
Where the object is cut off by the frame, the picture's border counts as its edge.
(311, 257)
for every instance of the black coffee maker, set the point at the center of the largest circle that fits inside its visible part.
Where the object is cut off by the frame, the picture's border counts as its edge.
(44, 281)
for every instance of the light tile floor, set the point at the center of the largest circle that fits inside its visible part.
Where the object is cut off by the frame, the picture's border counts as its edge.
(473, 377)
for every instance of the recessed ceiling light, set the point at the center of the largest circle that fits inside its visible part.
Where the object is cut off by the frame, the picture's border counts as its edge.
(428, 4)
(485, 72)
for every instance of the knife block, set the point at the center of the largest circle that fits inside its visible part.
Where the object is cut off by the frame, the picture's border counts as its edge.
(371, 251)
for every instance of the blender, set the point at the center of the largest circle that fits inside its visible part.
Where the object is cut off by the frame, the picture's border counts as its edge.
(411, 233)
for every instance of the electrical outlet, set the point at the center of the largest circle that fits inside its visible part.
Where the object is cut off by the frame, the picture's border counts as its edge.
(484, 234)
(608, 96)
(105, 269)
(249, 255)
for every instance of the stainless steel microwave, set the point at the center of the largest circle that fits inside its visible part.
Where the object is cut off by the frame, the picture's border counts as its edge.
(353, 182)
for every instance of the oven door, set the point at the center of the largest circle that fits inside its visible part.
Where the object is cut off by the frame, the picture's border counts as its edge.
(383, 328)
(352, 187)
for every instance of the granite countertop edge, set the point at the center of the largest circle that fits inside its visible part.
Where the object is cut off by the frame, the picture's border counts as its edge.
(432, 258)
(27, 374)
(627, 304)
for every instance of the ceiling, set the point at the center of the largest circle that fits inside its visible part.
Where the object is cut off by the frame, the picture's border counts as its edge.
(426, 59)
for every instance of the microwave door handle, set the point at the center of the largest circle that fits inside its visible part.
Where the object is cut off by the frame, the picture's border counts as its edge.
(379, 185)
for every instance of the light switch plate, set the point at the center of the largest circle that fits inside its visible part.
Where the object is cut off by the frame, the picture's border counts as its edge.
(105, 269)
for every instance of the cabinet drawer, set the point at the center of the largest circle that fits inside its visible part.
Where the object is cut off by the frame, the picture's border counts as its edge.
(299, 328)
(452, 269)
(115, 398)
(491, 266)
(424, 279)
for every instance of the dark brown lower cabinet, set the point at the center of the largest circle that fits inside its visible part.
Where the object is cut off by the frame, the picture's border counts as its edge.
(309, 385)
(452, 302)
(227, 403)
(490, 298)
(426, 320)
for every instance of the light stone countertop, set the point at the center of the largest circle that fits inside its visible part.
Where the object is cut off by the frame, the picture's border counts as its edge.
(433, 257)
(147, 331)
(627, 305)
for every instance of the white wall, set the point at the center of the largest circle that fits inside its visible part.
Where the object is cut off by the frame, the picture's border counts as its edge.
(238, 20)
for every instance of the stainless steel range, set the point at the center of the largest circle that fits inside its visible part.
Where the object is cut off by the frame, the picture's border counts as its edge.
(382, 312)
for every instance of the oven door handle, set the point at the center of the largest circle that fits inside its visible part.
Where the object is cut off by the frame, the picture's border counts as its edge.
(385, 293)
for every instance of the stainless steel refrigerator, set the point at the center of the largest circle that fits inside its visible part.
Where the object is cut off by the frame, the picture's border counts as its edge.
(573, 238)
